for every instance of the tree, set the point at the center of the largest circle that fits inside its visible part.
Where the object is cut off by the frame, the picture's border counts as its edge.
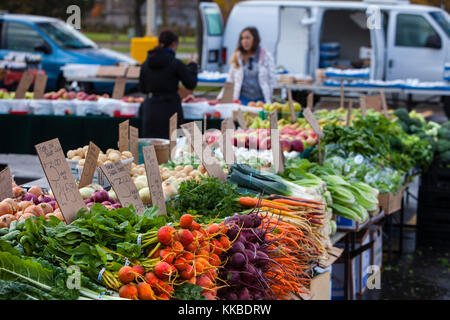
(138, 27)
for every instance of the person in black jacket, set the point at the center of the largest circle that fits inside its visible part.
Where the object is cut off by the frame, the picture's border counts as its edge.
(160, 75)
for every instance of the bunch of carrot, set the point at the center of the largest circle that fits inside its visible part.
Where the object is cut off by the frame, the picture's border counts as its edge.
(294, 252)
(308, 215)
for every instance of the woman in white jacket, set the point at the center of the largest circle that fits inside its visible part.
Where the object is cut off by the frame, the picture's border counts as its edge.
(252, 69)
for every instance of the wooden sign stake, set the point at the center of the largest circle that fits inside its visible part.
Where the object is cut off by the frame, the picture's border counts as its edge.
(342, 95)
(228, 92)
(134, 143)
(172, 129)
(39, 85)
(291, 106)
(154, 178)
(5, 184)
(60, 179)
(24, 84)
(90, 164)
(123, 136)
(277, 152)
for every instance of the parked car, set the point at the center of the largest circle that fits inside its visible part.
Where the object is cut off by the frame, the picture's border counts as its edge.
(57, 43)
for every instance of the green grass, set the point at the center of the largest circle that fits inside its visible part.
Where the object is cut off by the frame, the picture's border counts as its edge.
(120, 49)
(187, 49)
(109, 37)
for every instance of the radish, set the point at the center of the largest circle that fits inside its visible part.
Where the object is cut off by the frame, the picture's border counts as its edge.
(126, 274)
(163, 270)
(128, 291)
(166, 235)
(185, 237)
(186, 221)
(151, 278)
(145, 291)
(188, 272)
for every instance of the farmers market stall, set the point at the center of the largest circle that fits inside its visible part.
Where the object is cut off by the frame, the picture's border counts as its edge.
(297, 204)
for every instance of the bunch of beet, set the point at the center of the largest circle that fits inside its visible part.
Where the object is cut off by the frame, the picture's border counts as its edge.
(248, 259)
(102, 196)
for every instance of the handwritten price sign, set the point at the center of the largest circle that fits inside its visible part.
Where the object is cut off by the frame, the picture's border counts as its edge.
(60, 179)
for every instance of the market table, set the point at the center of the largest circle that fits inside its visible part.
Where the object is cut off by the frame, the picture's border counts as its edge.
(22, 132)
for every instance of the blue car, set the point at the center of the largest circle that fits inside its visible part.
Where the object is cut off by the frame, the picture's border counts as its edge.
(58, 44)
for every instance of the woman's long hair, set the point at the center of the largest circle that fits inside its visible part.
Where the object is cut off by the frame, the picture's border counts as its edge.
(256, 41)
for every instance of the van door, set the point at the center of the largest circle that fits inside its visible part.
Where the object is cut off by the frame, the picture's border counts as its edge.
(292, 50)
(212, 34)
(416, 47)
(375, 23)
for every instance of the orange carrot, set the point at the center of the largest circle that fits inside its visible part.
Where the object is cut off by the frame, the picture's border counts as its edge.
(253, 202)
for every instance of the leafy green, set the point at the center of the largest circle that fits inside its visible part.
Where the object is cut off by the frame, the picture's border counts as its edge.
(188, 291)
(209, 198)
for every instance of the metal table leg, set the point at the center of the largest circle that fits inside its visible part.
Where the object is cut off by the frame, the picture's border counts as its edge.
(402, 217)
(346, 267)
(389, 222)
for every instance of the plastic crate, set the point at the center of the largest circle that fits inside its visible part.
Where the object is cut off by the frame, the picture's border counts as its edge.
(5, 105)
(140, 47)
(41, 107)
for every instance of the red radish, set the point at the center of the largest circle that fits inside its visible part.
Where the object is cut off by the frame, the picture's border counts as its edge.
(204, 281)
(168, 289)
(177, 247)
(163, 270)
(189, 256)
(195, 226)
(199, 267)
(208, 294)
(185, 236)
(166, 235)
(225, 242)
(198, 236)
(129, 291)
(186, 221)
(202, 253)
(214, 260)
(211, 274)
(192, 247)
(217, 247)
(151, 278)
(204, 262)
(167, 255)
(145, 291)
(180, 263)
(163, 296)
(192, 280)
(204, 245)
(126, 274)
(139, 270)
(213, 228)
(188, 272)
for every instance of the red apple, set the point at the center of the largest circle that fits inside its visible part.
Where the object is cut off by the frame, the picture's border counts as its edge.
(216, 115)
(310, 141)
(285, 144)
(297, 145)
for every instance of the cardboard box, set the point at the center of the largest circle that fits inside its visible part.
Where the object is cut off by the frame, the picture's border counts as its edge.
(321, 284)
(391, 203)
(363, 262)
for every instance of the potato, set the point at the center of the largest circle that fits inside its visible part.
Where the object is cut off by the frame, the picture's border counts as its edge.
(194, 173)
(81, 162)
(188, 169)
(127, 154)
(85, 148)
(102, 157)
(122, 157)
(76, 158)
(107, 162)
(70, 154)
(178, 168)
(99, 163)
(80, 152)
(6, 220)
(165, 176)
(109, 150)
(114, 156)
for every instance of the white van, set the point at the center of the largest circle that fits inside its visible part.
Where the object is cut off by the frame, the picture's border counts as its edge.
(402, 40)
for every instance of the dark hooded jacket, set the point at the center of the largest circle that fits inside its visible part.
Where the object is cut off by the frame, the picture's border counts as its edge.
(160, 75)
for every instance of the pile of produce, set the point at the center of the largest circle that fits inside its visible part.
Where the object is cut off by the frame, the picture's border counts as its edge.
(443, 144)
(110, 156)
